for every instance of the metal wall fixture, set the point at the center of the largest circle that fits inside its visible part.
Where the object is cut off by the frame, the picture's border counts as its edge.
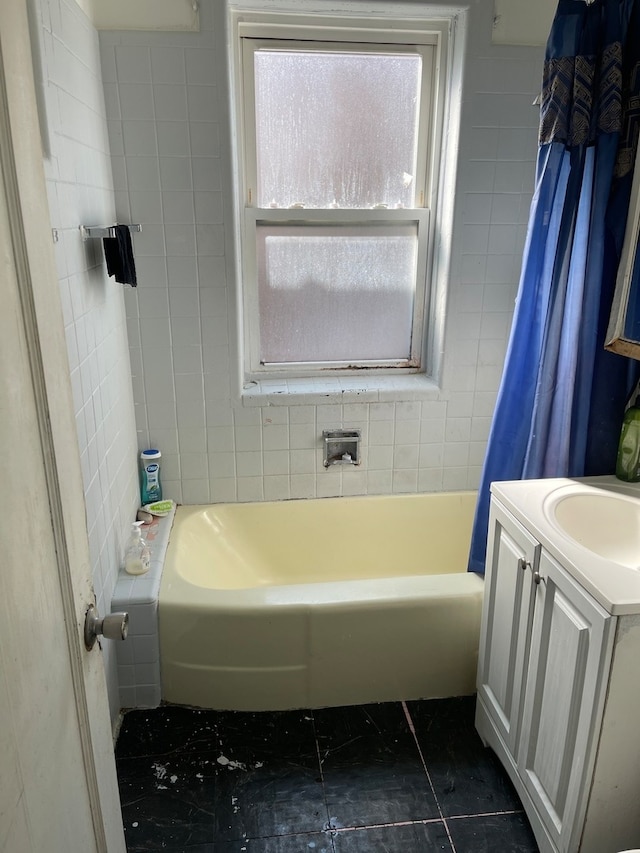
(88, 232)
(341, 447)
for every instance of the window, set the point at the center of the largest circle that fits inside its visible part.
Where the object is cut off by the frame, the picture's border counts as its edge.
(338, 129)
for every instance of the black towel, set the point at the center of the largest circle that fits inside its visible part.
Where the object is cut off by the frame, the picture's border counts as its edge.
(118, 252)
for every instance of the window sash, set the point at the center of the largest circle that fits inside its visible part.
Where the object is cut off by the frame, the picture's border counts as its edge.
(427, 38)
(255, 217)
(426, 123)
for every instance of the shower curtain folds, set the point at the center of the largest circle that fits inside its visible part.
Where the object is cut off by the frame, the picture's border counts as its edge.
(562, 396)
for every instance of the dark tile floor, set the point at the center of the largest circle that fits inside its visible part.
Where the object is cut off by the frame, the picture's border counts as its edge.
(407, 777)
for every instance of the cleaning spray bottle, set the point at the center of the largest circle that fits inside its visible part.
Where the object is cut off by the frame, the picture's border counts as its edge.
(137, 557)
(628, 461)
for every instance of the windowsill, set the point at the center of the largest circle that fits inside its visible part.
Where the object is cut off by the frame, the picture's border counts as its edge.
(348, 389)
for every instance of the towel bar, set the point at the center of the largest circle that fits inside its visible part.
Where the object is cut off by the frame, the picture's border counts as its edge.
(89, 231)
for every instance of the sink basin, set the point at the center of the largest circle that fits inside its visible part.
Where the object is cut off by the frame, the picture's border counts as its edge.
(604, 523)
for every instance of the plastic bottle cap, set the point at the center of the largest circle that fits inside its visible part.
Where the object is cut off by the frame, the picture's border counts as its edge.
(150, 454)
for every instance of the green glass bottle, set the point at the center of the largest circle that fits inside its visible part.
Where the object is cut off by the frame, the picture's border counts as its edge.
(628, 461)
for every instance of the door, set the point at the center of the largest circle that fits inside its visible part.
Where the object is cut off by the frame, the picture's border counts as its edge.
(506, 621)
(58, 787)
(570, 645)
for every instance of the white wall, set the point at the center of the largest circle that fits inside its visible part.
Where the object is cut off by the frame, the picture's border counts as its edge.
(169, 134)
(142, 14)
(523, 22)
(80, 189)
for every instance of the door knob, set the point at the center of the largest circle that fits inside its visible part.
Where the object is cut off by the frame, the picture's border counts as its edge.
(115, 626)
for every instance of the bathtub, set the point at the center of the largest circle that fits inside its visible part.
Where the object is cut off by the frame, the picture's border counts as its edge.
(324, 602)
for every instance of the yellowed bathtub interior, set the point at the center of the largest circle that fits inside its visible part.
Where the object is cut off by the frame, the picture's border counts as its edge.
(311, 603)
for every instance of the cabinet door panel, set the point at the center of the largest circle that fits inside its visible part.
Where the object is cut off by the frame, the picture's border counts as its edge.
(506, 621)
(565, 671)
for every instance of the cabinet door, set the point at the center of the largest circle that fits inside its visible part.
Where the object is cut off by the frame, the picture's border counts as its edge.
(563, 705)
(512, 556)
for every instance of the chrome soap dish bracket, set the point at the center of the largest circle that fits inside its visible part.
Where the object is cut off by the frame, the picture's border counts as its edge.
(341, 447)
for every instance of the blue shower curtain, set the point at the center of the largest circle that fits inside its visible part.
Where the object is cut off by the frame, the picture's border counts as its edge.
(562, 396)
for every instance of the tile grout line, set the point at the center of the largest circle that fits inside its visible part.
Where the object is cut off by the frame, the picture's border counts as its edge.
(324, 792)
(412, 729)
(417, 822)
(343, 830)
(486, 814)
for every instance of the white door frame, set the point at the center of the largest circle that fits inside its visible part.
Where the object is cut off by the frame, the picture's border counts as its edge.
(22, 186)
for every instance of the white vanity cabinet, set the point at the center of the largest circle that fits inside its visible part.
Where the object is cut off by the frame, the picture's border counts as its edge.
(506, 621)
(558, 693)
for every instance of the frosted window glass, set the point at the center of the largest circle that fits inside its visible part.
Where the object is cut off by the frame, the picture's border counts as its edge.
(331, 293)
(336, 129)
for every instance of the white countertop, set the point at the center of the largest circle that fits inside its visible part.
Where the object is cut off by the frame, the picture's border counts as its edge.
(616, 587)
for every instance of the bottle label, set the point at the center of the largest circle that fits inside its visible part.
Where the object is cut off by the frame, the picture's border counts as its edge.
(151, 491)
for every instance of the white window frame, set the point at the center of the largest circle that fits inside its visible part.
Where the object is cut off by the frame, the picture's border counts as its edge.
(430, 38)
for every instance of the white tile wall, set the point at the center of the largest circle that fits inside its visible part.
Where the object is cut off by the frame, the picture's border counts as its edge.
(80, 189)
(169, 131)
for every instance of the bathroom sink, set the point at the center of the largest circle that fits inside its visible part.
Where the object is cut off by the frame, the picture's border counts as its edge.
(604, 523)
